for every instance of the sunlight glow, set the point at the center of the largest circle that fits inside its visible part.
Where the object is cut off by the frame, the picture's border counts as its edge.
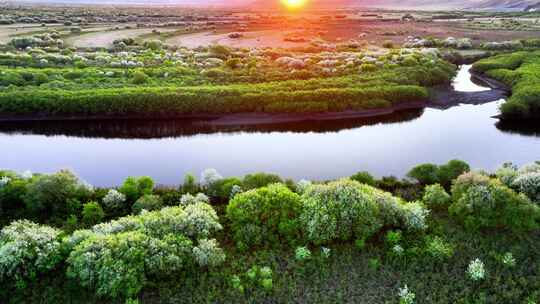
(294, 3)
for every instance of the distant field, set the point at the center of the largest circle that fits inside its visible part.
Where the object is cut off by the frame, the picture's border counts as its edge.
(106, 38)
(7, 31)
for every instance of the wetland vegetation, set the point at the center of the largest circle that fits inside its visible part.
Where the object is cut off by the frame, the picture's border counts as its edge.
(136, 89)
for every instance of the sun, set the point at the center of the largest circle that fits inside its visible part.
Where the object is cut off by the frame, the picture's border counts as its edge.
(294, 3)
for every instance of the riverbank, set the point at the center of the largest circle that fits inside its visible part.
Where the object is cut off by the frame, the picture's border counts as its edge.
(519, 72)
(442, 96)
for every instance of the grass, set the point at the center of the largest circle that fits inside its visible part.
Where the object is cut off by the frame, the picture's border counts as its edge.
(521, 72)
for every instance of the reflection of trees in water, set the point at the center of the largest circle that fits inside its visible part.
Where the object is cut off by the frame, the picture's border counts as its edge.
(527, 128)
(176, 128)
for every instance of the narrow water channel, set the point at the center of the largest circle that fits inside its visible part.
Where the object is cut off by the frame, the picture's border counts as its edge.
(104, 153)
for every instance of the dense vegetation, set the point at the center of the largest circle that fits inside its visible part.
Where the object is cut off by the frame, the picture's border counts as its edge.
(153, 81)
(264, 239)
(521, 72)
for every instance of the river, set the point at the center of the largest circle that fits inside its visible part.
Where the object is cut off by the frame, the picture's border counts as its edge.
(104, 153)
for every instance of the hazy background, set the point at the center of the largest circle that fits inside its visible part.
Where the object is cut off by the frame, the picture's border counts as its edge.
(498, 5)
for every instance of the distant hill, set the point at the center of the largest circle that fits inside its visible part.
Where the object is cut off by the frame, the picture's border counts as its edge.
(491, 5)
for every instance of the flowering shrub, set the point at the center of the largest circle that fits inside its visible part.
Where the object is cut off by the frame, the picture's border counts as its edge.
(465, 181)
(507, 175)
(210, 176)
(491, 204)
(302, 185)
(415, 216)
(208, 253)
(235, 190)
(4, 180)
(119, 257)
(114, 200)
(476, 270)
(200, 221)
(529, 184)
(101, 262)
(341, 210)
(530, 168)
(27, 250)
(147, 202)
(435, 197)
(406, 296)
(268, 215)
(188, 199)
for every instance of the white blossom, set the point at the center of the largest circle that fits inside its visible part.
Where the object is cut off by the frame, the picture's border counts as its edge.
(114, 199)
(208, 253)
(210, 176)
(406, 296)
(476, 270)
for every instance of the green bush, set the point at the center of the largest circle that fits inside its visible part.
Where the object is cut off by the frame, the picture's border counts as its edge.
(135, 187)
(342, 210)
(425, 174)
(121, 257)
(92, 213)
(364, 178)
(258, 180)
(438, 249)
(147, 202)
(221, 189)
(265, 216)
(47, 195)
(435, 197)
(490, 204)
(139, 77)
(451, 170)
(111, 272)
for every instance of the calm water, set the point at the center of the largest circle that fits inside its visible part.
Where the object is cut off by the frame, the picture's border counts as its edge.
(104, 153)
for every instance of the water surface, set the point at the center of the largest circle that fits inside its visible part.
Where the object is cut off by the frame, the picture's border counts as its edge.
(104, 153)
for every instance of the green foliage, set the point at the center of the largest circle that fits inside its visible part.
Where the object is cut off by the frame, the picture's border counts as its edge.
(47, 195)
(120, 257)
(341, 210)
(451, 170)
(258, 180)
(139, 77)
(265, 216)
(435, 197)
(148, 202)
(364, 178)
(135, 187)
(189, 185)
(112, 272)
(222, 188)
(438, 249)
(92, 213)
(426, 174)
(302, 254)
(519, 71)
(484, 203)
